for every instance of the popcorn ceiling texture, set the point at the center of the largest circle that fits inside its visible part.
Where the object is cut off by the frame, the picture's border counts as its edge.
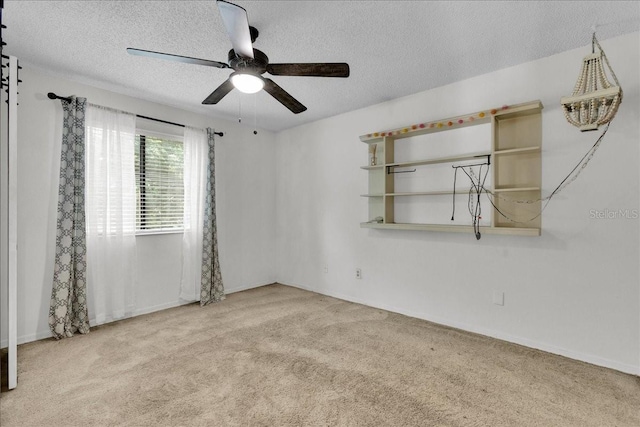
(280, 356)
(394, 48)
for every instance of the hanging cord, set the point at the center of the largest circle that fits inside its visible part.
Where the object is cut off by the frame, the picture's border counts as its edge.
(582, 164)
(239, 109)
(455, 175)
(476, 212)
(594, 42)
(475, 208)
(486, 173)
(571, 176)
(578, 168)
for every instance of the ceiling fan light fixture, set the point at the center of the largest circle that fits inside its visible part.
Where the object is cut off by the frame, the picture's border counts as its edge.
(249, 64)
(247, 82)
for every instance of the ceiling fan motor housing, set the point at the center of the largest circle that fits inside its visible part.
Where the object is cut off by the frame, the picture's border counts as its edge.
(257, 64)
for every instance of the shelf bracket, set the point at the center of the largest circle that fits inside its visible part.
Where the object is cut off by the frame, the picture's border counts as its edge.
(390, 170)
(488, 163)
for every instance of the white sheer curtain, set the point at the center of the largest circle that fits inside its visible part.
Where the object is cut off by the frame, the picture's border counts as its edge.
(111, 213)
(196, 157)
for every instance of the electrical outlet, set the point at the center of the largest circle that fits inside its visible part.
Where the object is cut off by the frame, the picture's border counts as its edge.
(498, 298)
(358, 273)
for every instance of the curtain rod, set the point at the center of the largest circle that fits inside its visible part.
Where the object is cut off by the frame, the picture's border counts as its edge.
(52, 95)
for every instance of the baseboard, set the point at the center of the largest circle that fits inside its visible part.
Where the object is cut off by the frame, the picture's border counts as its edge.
(40, 335)
(159, 307)
(595, 360)
(549, 348)
(47, 333)
(245, 288)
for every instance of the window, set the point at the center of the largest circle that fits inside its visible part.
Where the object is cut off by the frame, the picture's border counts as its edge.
(159, 184)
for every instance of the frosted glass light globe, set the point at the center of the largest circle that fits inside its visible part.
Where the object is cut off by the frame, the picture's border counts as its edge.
(247, 83)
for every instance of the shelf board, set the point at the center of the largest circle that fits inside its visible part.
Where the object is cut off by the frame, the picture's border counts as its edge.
(461, 192)
(437, 126)
(519, 110)
(522, 150)
(450, 159)
(429, 193)
(454, 228)
(372, 167)
(456, 122)
(512, 189)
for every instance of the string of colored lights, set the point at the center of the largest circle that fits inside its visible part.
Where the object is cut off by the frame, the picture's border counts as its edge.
(436, 125)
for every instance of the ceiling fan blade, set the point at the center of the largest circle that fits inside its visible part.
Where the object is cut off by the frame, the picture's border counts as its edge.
(237, 25)
(177, 58)
(336, 69)
(283, 97)
(219, 93)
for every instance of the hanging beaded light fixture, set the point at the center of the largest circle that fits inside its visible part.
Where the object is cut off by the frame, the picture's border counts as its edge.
(594, 101)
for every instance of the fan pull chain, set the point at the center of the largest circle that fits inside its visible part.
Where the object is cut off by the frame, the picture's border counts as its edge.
(255, 117)
(239, 109)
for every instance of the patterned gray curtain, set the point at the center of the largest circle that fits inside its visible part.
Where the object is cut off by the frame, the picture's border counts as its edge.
(211, 289)
(68, 312)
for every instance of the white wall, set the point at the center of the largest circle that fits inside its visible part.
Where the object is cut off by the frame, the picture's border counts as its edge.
(245, 180)
(573, 291)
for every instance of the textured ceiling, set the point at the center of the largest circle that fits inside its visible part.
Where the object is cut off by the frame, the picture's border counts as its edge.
(393, 48)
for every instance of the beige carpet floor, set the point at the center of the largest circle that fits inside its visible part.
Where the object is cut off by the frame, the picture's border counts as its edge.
(280, 356)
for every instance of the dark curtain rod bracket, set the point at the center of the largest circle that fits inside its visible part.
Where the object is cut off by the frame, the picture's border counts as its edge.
(52, 95)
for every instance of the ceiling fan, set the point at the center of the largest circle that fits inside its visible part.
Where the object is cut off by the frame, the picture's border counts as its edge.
(249, 64)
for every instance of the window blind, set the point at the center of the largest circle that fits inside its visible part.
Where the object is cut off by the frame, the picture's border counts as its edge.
(159, 165)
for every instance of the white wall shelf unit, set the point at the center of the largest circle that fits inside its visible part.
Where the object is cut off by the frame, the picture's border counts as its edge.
(515, 157)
